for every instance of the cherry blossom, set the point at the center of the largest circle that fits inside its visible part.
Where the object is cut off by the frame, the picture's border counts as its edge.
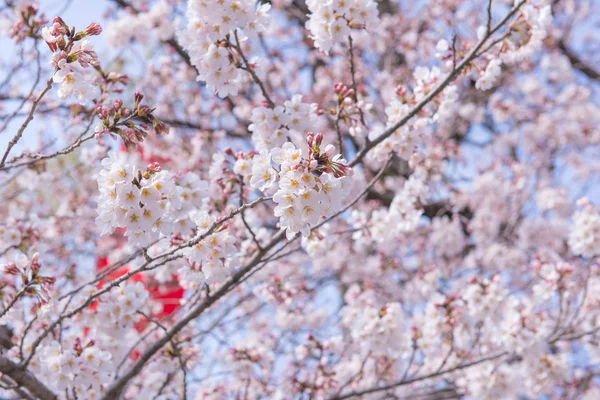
(336, 199)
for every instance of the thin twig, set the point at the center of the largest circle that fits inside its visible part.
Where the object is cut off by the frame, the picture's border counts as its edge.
(29, 118)
(250, 70)
(488, 25)
(353, 74)
(35, 158)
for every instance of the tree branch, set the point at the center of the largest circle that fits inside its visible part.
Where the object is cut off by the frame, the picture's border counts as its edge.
(29, 118)
(25, 379)
(577, 63)
(420, 378)
(250, 70)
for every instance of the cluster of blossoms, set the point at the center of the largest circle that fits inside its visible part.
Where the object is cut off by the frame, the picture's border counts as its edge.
(207, 39)
(156, 204)
(528, 32)
(24, 278)
(553, 277)
(459, 268)
(324, 376)
(9, 236)
(257, 167)
(118, 309)
(584, 239)
(309, 188)
(140, 26)
(277, 291)
(332, 21)
(405, 140)
(488, 381)
(488, 78)
(379, 330)
(72, 367)
(25, 22)
(290, 302)
(166, 367)
(272, 127)
(386, 225)
(148, 205)
(526, 36)
(553, 199)
(349, 109)
(425, 80)
(447, 236)
(444, 316)
(444, 331)
(405, 205)
(318, 243)
(72, 54)
(249, 358)
(484, 298)
(211, 258)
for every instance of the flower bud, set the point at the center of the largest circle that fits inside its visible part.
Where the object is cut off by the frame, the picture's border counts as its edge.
(309, 139)
(58, 20)
(137, 98)
(318, 139)
(93, 29)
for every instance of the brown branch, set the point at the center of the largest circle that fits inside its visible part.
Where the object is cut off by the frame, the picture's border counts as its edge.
(353, 74)
(250, 70)
(17, 389)
(5, 337)
(488, 25)
(577, 63)
(418, 379)
(192, 125)
(25, 379)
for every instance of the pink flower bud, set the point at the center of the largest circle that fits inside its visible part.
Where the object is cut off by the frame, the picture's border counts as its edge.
(137, 98)
(93, 29)
(58, 20)
(309, 139)
(318, 139)
(401, 91)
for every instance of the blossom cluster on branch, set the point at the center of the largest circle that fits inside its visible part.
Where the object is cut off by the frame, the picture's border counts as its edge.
(312, 199)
